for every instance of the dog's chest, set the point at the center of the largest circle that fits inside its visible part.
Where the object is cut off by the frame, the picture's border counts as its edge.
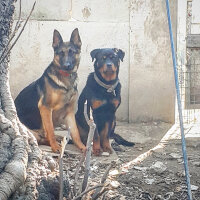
(60, 98)
(106, 104)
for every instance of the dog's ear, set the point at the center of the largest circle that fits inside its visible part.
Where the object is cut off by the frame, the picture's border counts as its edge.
(75, 38)
(57, 39)
(120, 53)
(94, 53)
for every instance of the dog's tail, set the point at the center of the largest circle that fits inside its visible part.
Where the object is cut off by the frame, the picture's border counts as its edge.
(120, 140)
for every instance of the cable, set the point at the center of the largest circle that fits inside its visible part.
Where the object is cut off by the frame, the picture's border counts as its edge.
(179, 104)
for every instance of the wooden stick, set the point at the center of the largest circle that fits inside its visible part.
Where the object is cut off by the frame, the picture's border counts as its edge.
(14, 32)
(8, 51)
(63, 144)
(100, 193)
(88, 147)
(76, 174)
(88, 190)
(103, 179)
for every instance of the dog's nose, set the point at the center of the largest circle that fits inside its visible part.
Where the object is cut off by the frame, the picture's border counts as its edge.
(109, 64)
(68, 66)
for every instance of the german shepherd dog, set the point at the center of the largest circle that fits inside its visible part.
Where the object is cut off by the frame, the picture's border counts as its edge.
(50, 100)
(103, 95)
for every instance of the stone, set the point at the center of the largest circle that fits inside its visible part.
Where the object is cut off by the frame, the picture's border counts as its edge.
(149, 181)
(194, 187)
(158, 167)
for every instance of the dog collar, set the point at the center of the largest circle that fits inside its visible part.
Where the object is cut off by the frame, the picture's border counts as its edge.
(110, 88)
(63, 73)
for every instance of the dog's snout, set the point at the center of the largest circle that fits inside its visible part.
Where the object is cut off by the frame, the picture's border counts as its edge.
(109, 64)
(67, 64)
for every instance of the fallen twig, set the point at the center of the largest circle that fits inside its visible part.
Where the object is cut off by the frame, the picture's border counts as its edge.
(76, 174)
(14, 32)
(88, 190)
(63, 144)
(98, 191)
(88, 147)
(4, 55)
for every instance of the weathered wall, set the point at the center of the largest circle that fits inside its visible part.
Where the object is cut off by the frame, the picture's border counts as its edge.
(146, 75)
(151, 94)
(195, 26)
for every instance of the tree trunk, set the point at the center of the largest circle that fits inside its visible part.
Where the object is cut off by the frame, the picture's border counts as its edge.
(19, 152)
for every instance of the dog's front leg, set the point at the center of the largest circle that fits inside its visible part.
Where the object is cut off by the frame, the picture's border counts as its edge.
(71, 122)
(46, 115)
(104, 138)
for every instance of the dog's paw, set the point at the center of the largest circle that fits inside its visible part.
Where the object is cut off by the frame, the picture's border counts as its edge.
(97, 151)
(56, 147)
(83, 149)
(107, 149)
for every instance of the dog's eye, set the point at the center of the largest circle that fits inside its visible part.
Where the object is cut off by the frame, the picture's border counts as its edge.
(62, 53)
(70, 51)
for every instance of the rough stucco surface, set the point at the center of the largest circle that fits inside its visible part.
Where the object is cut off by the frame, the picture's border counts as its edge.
(151, 94)
(195, 26)
(146, 75)
(33, 53)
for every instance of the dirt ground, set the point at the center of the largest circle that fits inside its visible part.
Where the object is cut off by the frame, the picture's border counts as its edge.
(152, 169)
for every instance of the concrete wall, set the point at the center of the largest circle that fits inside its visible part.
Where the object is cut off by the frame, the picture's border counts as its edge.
(132, 25)
(195, 26)
(151, 94)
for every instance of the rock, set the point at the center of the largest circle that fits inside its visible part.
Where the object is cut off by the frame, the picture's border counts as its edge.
(168, 195)
(140, 168)
(149, 181)
(197, 164)
(194, 187)
(158, 167)
(105, 154)
(114, 173)
(114, 184)
(175, 155)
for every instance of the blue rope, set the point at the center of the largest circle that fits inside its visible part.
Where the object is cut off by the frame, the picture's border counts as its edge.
(179, 104)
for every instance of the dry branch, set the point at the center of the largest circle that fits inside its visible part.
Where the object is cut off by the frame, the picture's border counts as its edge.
(14, 32)
(76, 174)
(86, 191)
(99, 191)
(4, 55)
(92, 126)
(63, 144)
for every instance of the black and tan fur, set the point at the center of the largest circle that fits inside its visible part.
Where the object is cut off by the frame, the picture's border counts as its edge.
(50, 100)
(103, 102)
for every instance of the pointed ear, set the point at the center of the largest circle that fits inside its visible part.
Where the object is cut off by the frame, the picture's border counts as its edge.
(94, 53)
(75, 38)
(57, 39)
(120, 53)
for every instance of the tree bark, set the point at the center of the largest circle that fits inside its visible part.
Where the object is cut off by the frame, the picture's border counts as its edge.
(19, 152)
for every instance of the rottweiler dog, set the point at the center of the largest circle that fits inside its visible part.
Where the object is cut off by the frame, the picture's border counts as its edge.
(103, 95)
(50, 100)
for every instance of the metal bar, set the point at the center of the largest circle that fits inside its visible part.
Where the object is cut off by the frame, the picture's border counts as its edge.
(179, 104)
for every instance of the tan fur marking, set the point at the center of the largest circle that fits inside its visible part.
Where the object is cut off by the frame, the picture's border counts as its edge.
(97, 103)
(108, 76)
(71, 122)
(104, 139)
(96, 145)
(56, 60)
(46, 115)
(115, 102)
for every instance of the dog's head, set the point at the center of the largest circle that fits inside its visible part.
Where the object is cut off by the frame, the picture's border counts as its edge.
(107, 63)
(67, 54)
